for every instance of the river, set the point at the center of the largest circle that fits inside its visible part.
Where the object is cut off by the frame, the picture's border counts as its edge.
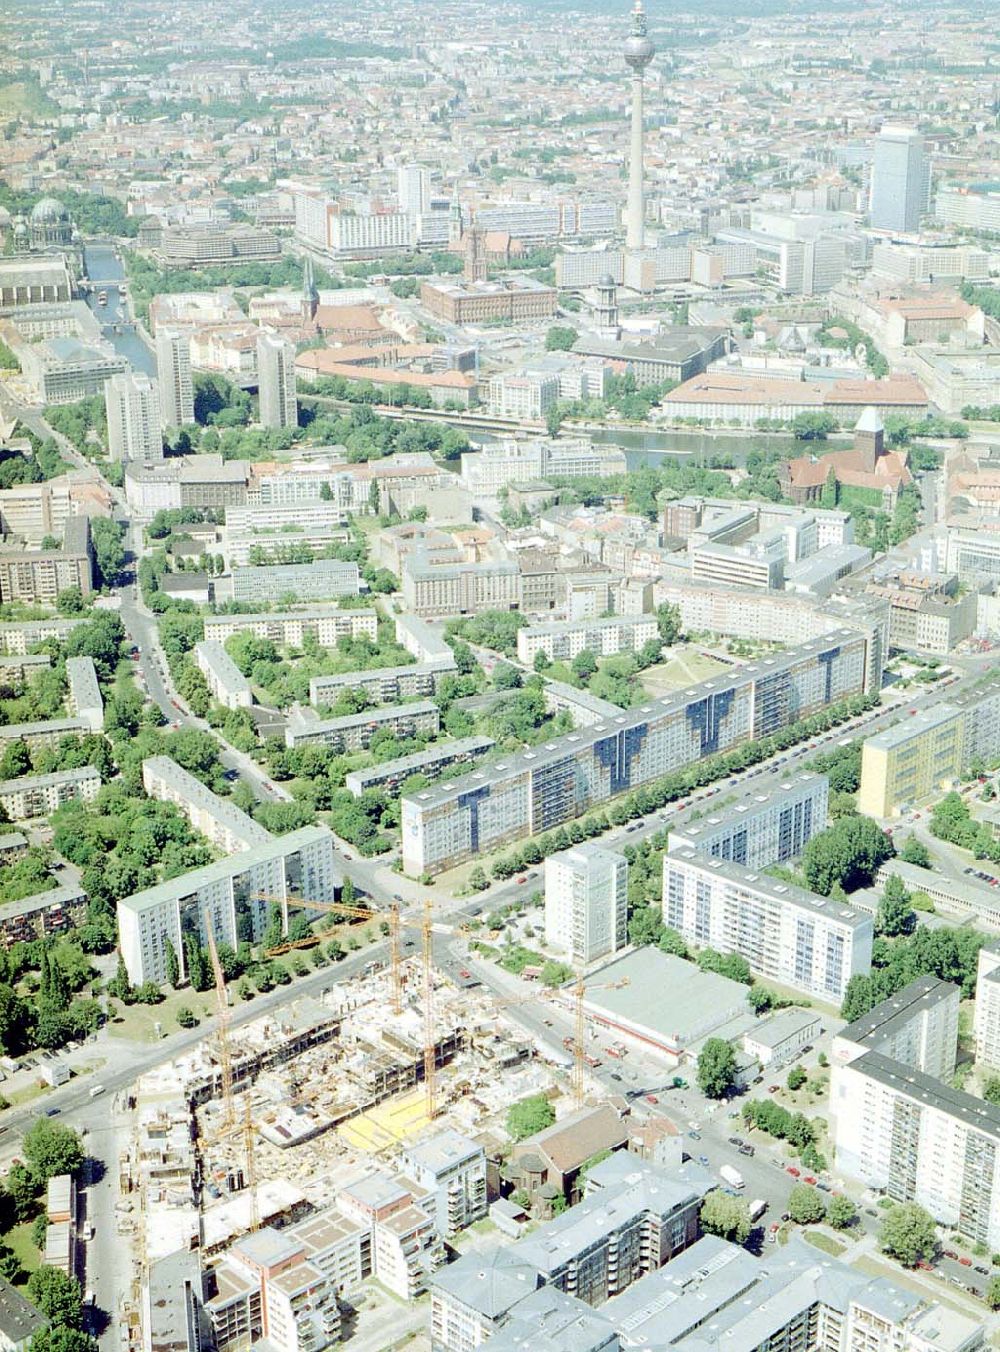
(104, 268)
(643, 447)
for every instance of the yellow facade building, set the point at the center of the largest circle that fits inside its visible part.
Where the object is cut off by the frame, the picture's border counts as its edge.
(912, 760)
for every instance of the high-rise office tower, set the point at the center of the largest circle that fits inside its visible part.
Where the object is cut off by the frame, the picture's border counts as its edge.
(413, 189)
(638, 53)
(276, 375)
(586, 902)
(173, 369)
(901, 180)
(132, 403)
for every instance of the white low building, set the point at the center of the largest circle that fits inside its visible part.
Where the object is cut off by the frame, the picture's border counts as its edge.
(223, 677)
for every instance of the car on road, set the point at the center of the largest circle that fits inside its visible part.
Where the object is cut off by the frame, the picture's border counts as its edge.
(949, 1253)
(791, 1169)
(694, 1135)
(773, 1088)
(51, 1112)
(651, 1098)
(464, 973)
(747, 1149)
(824, 1187)
(703, 1161)
(966, 1262)
(736, 1140)
(809, 1179)
(983, 1271)
(616, 1076)
(927, 1267)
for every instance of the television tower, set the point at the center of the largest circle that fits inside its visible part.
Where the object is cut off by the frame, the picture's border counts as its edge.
(638, 53)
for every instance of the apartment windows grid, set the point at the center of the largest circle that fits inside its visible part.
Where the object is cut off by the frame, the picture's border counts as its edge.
(693, 724)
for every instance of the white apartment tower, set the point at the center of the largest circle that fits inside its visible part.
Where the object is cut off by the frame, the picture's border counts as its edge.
(276, 374)
(173, 369)
(586, 902)
(899, 1126)
(814, 944)
(413, 189)
(901, 180)
(132, 404)
(986, 1025)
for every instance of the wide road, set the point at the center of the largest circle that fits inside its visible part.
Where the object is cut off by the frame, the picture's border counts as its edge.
(762, 778)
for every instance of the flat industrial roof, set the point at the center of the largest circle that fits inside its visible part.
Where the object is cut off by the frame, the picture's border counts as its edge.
(648, 973)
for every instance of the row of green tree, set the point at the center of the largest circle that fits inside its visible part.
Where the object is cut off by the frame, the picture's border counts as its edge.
(678, 784)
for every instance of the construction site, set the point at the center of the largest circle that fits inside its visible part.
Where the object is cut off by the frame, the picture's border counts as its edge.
(364, 1126)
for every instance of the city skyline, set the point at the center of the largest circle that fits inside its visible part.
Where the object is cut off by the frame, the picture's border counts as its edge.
(499, 733)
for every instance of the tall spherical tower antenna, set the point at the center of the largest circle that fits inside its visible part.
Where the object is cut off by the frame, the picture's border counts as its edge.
(638, 51)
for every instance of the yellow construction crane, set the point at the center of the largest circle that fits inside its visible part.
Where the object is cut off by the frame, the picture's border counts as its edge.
(430, 1041)
(225, 1061)
(251, 1159)
(393, 917)
(354, 913)
(580, 989)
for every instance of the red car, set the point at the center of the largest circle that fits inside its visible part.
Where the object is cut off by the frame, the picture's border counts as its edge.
(651, 1098)
(809, 1179)
(927, 1267)
(465, 974)
(791, 1169)
(523, 878)
(966, 1262)
(950, 1253)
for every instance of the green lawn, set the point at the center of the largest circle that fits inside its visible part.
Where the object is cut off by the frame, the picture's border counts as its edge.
(137, 1022)
(22, 98)
(19, 1239)
(19, 1097)
(685, 666)
(825, 1242)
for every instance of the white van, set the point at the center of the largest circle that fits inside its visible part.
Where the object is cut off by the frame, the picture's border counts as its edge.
(96, 1089)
